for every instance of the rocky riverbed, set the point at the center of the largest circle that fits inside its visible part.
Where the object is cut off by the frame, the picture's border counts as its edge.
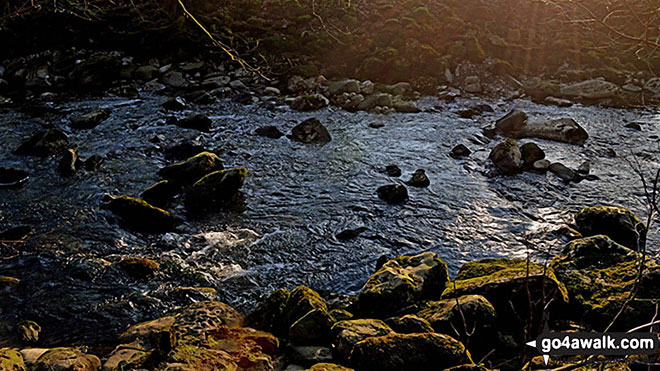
(311, 208)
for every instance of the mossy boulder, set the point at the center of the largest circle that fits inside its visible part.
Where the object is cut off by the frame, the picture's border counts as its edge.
(348, 333)
(194, 321)
(138, 267)
(160, 194)
(215, 190)
(468, 367)
(409, 352)
(44, 143)
(140, 215)
(268, 315)
(618, 223)
(62, 359)
(191, 170)
(409, 324)
(312, 328)
(599, 275)
(126, 357)
(302, 301)
(11, 360)
(154, 334)
(448, 314)
(506, 157)
(402, 281)
(328, 367)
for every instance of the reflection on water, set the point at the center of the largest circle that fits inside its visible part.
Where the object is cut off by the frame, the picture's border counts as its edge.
(297, 198)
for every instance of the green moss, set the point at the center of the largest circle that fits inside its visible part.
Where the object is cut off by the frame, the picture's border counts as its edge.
(11, 360)
(6, 282)
(140, 215)
(193, 168)
(485, 267)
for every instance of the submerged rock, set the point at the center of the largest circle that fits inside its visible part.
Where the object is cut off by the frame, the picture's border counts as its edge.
(161, 193)
(269, 131)
(90, 120)
(140, 215)
(618, 223)
(599, 275)
(310, 131)
(349, 234)
(419, 179)
(12, 177)
(506, 157)
(198, 122)
(215, 190)
(459, 151)
(402, 281)
(392, 170)
(192, 169)
(44, 143)
(393, 193)
(409, 352)
(348, 333)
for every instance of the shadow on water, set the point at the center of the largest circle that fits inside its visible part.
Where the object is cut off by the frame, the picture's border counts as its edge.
(298, 197)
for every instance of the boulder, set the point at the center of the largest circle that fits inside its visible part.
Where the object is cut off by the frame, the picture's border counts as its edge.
(64, 359)
(618, 223)
(161, 193)
(44, 143)
(309, 102)
(402, 281)
(310, 131)
(459, 151)
(140, 215)
(599, 275)
(562, 171)
(269, 314)
(393, 193)
(328, 367)
(590, 89)
(175, 104)
(28, 331)
(374, 100)
(343, 86)
(409, 324)
(215, 190)
(312, 328)
(419, 179)
(307, 355)
(348, 333)
(146, 73)
(302, 301)
(269, 131)
(530, 153)
(198, 122)
(126, 357)
(516, 124)
(191, 170)
(506, 157)
(90, 120)
(68, 162)
(138, 267)
(404, 106)
(12, 177)
(174, 79)
(409, 352)
(11, 360)
(392, 170)
(511, 122)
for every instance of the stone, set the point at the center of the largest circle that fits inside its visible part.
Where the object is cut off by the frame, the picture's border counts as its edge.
(557, 101)
(402, 281)
(517, 125)
(343, 86)
(301, 301)
(11, 177)
(328, 367)
(392, 170)
(44, 143)
(68, 163)
(409, 352)
(215, 190)
(409, 324)
(511, 122)
(652, 85)
(192, 169)
(268, 316)
(197, 121)
(138, 267)
(530, 153)
(506, 157)
(28, 331)
(174, 79)
(125, 357)
(541, 166)
(419, 179)
(140, 215)
(459, 151)
(90, 120)
(309, 102)
(473, 88)
(93, 162)
(146, 73)
(312, 328)
(269, 131)
(348, 333)
(63, 359)
(618, 223)
(599, 275)
(374, 100)
(633, 125)
(393, 193)
(272, 91)
(404, 106)
(349, 234)
(160, 194)
(566, 174)
(310, 131)
(11, 360)
(590, 89)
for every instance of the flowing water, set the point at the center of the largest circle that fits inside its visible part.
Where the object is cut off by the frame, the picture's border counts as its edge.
(297, 198)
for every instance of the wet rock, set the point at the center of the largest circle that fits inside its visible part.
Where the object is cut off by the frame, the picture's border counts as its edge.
(30, 355)
(192, 169)
(459, 151)
(138, 268)
(312, 328)
(272, 91)
(392, 170)
(93, 162)
(557, 101)
(125, 357)
(175, 104)
(11, 360)
(506, 157)
(584, 168)
(153, 334)
(28, 331)
(341, 314)
(348, 333)
(565, 173)
(398, 89)
(393, 193)
(517, 125)
(215, 190)
(409, 324)
(302, 301)
(419, 179)
(409, 352)
(161, 193)
(310, 131)
(309, 355)
(343, 86)
(511, 122)
(68, 163)
(349, 234)
(375, 100)
(11, 177)
(403, 106)
(146, 73)
(269, 131)
(140, 215)
(599, 275)
(174, 79)
(182, 150)
(97, 71)
(541, 166)
(270, 312)
(17, 233)
(634, 126)
(618, 223)
(475, 110)
(44, 143)
(198, 122)
(376, 124)
(63, 359)
(153, 85)
(530, 153)
(590, 89)
(90, 120)
(310, 102)
(402, 281)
